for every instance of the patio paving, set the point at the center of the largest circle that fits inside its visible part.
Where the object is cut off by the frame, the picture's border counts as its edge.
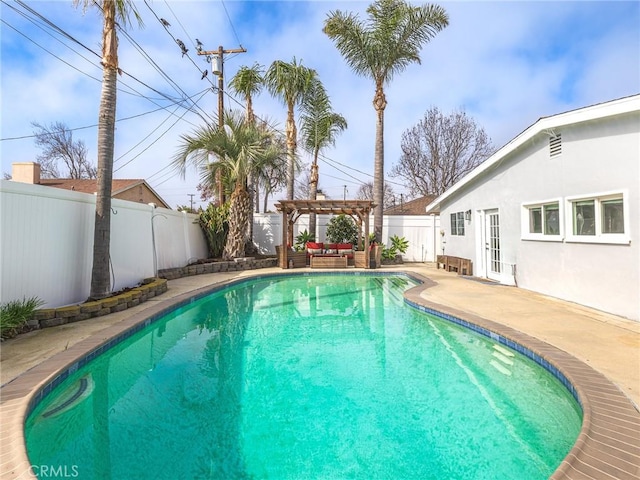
(610, 345)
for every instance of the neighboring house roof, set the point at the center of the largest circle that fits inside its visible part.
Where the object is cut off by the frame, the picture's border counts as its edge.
(118, 186)
(543, 125)
(416, 206)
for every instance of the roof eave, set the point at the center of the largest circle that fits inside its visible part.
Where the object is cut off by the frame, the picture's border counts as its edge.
(592, 112)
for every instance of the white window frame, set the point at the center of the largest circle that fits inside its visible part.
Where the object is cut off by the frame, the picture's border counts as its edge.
(458, 223)
(526, 234)
(599, 237)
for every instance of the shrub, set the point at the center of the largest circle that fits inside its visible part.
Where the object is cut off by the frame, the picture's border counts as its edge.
(15, 314)
(342, 229)
(399, 243)
(214, 221)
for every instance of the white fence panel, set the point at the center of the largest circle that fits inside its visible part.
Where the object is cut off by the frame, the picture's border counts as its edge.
(422, 232)
(43, 249)
(131, 246)
(178, 238)
(46, 243)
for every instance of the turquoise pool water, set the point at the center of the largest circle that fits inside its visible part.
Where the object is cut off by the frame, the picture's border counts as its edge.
(306, 377)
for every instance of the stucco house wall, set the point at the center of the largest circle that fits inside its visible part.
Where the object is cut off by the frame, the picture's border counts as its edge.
(600, 158)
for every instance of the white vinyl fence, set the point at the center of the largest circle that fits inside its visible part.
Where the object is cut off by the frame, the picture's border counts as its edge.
(422, 232)
(46, 242)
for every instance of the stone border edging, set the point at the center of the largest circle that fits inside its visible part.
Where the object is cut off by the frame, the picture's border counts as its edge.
(52, 317)
(216, 267)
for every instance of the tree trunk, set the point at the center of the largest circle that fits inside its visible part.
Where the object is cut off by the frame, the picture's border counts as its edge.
(379, 103)
(238, 218)
(100, 273)
(313, 191)
(290, 129)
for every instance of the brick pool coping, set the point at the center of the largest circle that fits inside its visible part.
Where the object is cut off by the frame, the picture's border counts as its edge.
(608, 445)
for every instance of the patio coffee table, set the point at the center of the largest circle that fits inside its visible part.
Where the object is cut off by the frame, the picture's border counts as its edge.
(328, 261)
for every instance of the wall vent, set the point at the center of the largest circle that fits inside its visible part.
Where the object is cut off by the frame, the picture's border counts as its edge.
(555, 145)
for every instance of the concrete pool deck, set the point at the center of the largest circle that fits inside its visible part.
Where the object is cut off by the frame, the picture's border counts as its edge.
(607, 347)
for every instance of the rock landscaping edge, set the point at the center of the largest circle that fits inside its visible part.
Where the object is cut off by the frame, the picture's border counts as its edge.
(151, 287)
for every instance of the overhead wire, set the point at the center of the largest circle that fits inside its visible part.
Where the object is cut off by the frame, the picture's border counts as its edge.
(163, 133)
(118, 120)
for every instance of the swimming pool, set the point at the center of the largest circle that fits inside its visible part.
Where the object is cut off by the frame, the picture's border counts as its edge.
(316, 376)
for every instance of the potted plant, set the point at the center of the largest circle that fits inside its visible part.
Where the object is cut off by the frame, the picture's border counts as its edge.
(302, 239)
(393, 254)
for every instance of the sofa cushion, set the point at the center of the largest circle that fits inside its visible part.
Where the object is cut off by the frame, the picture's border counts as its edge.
(344, 246)
(314, 251)
(315, 245)
(345, 251)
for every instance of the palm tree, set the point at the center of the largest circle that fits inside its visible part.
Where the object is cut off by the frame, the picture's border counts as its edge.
(113, 12)
(241, 149)
(248, 82)
(318, 130)
(379, 48)
(289, 82)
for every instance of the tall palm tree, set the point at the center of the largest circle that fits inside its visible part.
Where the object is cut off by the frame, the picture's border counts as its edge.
(113, 12)
(379, 48)
(289, 82)
(241, 149)
(318, 129)
(248, 82)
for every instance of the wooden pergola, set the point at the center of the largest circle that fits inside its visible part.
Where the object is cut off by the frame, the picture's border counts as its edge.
(291, 210)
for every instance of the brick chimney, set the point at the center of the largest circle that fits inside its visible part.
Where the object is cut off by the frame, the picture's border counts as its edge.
(25, 172)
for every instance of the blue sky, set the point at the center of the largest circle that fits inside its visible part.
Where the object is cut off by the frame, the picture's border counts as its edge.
(506, 63)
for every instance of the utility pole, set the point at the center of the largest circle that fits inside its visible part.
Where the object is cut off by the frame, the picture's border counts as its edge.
(191, 195)
(217, 68)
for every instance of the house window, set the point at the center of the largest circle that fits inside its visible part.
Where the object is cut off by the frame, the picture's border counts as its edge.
(457, 223)
(612, 216)
(584, 218)
(543, 220)
(599, 218)
(535, 220)
(551, 219)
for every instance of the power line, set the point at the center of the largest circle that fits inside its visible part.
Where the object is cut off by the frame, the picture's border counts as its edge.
(230, 22)
(117, 120)
(161, 135)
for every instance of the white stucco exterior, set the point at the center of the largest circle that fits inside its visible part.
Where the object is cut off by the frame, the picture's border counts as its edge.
(599, 165)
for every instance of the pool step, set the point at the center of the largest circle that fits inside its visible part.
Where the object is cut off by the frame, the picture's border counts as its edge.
(502, 360)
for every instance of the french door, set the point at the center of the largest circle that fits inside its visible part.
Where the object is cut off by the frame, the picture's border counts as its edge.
(492, 244)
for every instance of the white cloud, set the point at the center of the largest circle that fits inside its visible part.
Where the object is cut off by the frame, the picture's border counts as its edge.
(506, 63)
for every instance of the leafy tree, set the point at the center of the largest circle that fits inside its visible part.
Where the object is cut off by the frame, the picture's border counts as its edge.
(379, 48)
(57, 144)
(365, 192)
(439, 150)
(289, 82)
(319, 128)
(342, 229)
(113, 12)
(241, 149)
